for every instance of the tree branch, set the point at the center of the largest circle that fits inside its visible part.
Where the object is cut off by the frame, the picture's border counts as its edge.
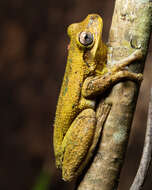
(147, 153)
(130, 30)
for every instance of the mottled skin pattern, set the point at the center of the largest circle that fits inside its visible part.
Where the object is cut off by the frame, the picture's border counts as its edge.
(86, 76)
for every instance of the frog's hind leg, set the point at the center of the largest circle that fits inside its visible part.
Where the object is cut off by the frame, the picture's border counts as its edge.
(80, 142)
(102, 113)
(76, 143)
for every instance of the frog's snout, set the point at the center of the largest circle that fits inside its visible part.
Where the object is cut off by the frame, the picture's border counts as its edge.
(71, 29)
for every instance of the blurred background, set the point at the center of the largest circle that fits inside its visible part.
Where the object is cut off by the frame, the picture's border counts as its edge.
(33, 51)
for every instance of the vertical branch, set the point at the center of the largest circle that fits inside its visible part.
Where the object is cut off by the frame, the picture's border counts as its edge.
(130, 30)
(147, 153)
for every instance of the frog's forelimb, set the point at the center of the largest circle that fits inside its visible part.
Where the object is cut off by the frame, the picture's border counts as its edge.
(94, 86)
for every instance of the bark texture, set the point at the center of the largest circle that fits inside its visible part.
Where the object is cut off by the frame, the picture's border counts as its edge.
(130, 30)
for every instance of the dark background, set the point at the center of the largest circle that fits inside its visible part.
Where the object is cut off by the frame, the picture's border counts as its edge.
(33, 50)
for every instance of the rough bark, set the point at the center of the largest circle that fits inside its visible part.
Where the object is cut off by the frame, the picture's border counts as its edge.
(130, 30)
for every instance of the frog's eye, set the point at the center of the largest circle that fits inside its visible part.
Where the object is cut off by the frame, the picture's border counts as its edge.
(86, 38)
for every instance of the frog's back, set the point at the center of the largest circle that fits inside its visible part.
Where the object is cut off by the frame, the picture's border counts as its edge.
(68, 102)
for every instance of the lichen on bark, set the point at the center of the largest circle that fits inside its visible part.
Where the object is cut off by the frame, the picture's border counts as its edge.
(130, 30)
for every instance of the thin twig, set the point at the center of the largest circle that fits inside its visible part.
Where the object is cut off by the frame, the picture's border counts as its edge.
(147, 153)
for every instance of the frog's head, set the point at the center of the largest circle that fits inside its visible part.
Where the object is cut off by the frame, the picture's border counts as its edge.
(86, 42)
(87, 34)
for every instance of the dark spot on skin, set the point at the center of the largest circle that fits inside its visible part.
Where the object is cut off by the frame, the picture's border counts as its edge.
(65, 90)
(66, 86)
(70, 60)
(87, 64)
(76, 72)
(73, 106)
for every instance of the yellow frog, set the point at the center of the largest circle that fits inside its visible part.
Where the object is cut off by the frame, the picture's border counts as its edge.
(86, 77)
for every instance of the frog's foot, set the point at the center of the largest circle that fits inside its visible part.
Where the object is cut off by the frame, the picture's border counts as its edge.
(121, 64)
(99, 84)
(124, 75)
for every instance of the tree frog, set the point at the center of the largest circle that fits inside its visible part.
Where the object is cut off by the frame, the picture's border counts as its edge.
(86, 77)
